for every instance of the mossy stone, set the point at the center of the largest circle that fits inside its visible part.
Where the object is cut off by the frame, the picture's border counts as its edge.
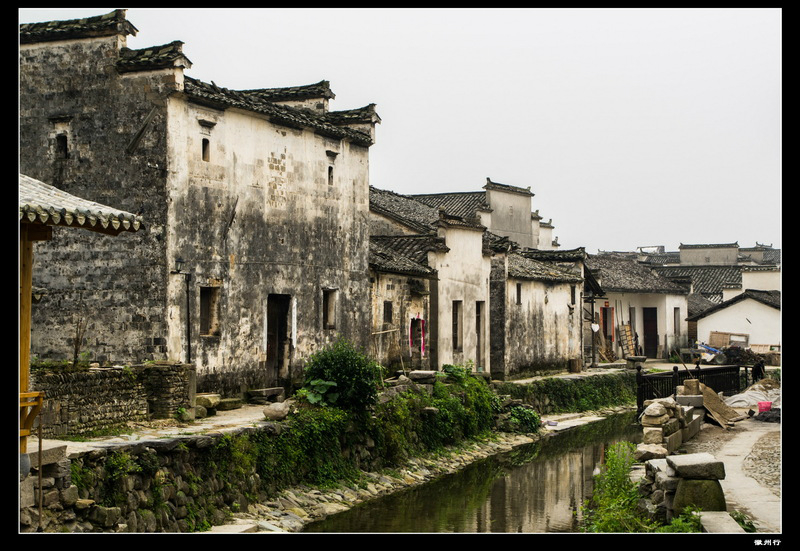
(706, 495)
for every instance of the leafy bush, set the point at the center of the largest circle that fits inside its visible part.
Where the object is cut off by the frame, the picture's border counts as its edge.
(310, 450)
(613, 506)
(341, 367)
(525, 419)
(417, 422)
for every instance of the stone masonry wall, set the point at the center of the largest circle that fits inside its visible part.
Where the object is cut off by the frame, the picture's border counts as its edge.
(71, 90)
(102, 399)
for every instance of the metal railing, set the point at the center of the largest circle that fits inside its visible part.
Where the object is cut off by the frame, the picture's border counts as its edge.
(728, 379)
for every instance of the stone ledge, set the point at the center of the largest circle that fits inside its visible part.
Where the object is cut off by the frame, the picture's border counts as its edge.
(697, 466)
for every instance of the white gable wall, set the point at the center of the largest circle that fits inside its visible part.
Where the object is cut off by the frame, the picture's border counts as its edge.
(761, 322)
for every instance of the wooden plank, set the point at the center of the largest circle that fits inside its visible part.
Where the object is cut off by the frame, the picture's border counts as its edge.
(719, 410)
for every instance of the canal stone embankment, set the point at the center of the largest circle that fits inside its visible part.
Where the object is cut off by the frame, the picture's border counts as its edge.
(168, 495)
(169, 479)
(196, 477)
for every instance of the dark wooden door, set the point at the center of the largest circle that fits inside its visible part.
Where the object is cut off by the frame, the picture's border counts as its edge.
(650, 323)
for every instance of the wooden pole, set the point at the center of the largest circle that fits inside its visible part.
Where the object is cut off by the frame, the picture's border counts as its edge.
(25, 294)
(25, 297)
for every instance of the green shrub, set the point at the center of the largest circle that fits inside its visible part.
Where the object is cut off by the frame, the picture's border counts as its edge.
(415, 422)
(342, 375)
(613, 506)
(525, 419)
(310, 450)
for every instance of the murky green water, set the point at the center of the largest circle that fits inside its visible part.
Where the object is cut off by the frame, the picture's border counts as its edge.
(534, 489)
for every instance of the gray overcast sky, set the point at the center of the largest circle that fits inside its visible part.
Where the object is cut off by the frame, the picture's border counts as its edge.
(632, 126)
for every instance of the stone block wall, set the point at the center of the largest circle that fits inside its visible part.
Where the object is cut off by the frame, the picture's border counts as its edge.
(103, 399)
(169, 387)
(160, 485)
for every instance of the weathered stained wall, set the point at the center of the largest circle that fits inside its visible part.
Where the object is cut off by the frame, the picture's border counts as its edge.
(511, 216)
(269, 222)
(542, 326)
(260, 216)
(71, 89)
(463, 276)
(725, 254)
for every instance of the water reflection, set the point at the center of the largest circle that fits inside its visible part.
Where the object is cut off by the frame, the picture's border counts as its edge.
(535, 489)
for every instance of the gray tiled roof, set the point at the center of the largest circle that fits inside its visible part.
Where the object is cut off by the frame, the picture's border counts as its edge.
(624, 274)
(566, 255)
(366, 114)
(520, 267)
(414, 214)
(697, 304)
(109, 24)
(40, 203)
(708, 281)
(321, 90)
(465, 204)
(155, 57)
(405, 209)
(414, 247)
(663, 258)
(213, 95)
(385, 256)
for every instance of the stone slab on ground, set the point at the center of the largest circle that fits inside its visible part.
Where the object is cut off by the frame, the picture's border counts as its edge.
(233, 529)
(698, 466)
(227, 404)
(558, 424)
(719, 522)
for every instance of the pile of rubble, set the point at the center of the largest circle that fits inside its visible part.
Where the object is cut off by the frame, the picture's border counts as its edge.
(669, 422)
(670, 485)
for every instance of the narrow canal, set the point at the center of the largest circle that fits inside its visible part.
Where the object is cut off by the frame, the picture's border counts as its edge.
(536, 488)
